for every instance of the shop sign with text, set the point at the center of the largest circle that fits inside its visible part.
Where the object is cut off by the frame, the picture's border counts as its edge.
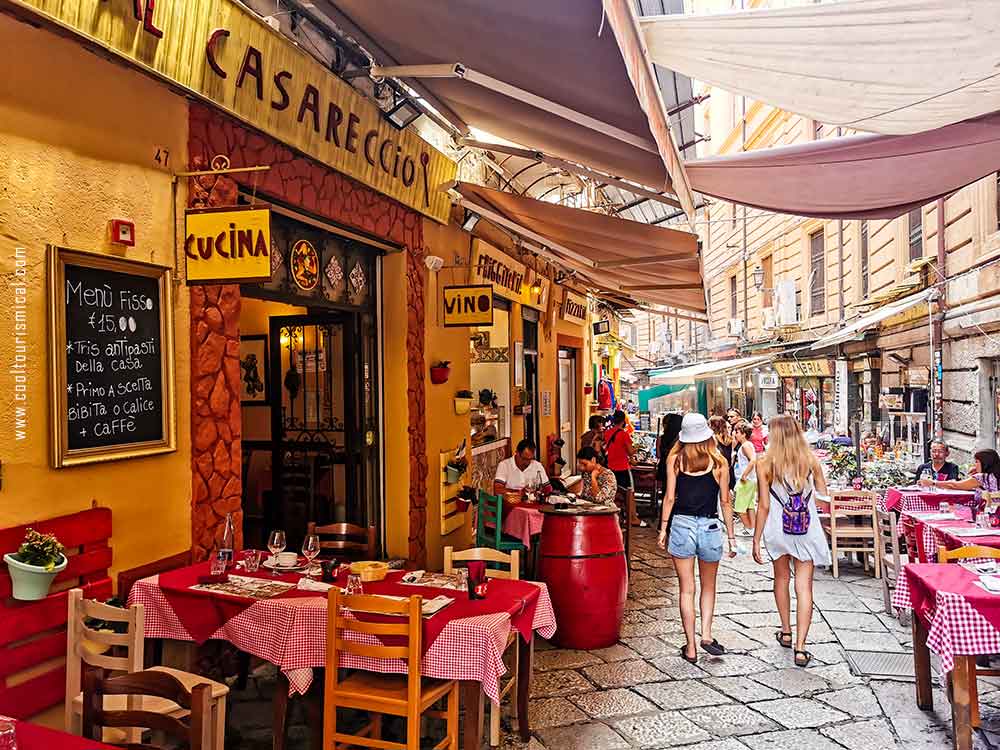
(509, 278)
(227, 245)
(574, 307)
(768, 380)
(805, 368)
(220, 52)
(468, 305)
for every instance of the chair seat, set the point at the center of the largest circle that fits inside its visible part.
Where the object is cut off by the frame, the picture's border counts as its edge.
(189, 680)
(372, 691)
(118, 703)
(509, 543)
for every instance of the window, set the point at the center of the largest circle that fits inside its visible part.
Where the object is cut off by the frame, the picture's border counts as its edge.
(864, 259)
(916, 222)
(817, 273)
(733, 305)
(767, 265)
(628, 333)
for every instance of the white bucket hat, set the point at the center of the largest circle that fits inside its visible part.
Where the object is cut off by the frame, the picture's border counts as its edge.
(695, 429)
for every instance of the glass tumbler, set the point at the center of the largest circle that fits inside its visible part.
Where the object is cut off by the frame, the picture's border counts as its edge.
(8, 734)
(251, 560)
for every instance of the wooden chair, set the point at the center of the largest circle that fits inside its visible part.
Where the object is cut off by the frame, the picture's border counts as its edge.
(489, 525)
(123, 652)
(347, 539)
(853, 528)
(513, 563)
(408, 695)
(971, 552)
(888, 550)
(139, 688)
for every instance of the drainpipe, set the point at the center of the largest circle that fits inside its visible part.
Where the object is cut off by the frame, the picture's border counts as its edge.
(937, 327)
(840, 256)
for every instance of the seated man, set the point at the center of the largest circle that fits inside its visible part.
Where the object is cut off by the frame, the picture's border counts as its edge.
(598, 484)
(939, 467)
(521, 471)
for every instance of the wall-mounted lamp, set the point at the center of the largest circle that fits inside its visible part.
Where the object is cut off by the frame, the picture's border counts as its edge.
(403, 114)
(471, 219)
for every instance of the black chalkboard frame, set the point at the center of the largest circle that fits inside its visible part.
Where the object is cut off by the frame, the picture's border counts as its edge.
(61, 456)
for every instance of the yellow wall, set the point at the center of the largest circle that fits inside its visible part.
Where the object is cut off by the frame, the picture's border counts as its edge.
(78, 139)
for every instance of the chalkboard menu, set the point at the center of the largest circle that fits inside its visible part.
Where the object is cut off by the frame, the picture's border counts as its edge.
(112, 352)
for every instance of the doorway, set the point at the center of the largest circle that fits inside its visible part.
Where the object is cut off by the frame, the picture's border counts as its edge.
(531, 374)
(567, 408)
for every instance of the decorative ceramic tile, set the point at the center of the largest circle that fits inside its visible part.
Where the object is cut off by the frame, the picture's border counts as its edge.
(334, 271)
(358, 279)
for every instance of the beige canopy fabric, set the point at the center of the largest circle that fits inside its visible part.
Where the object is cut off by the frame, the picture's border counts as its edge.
(628, 260)
(480, 59)
(883, 66)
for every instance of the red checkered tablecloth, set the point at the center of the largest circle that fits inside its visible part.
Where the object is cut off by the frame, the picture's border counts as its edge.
(291, 633)
(523, 522)
(941, 594)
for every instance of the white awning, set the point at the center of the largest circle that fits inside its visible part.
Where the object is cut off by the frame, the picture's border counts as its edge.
(688, 375)
(857, 329)
(885, 66)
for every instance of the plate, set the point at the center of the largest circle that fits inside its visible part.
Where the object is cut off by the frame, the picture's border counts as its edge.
(270, 565)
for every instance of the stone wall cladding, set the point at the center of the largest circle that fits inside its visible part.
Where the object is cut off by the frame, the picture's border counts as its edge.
(301, 182)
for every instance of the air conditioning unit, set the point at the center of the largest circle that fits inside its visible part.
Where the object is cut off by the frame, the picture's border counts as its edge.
(769, 318)
(786, 311)
(735, 327)
(677, 347)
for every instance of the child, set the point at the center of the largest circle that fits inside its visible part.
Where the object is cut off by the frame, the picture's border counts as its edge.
(744, 465)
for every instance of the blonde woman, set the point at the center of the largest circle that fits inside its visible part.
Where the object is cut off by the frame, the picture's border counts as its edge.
(788, 478)
(697, 480)
(744, 457)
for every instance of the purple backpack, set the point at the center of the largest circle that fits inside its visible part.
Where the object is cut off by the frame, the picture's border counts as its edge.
(795, 514)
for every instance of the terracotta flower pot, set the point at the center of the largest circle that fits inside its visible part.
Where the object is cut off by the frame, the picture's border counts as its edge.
(440, 375)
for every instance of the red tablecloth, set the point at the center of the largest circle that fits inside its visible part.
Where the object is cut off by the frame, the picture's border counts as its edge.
(290, 630)
(926, 536)
(962, 618)
(523, 521)
(907, 498)
(34, 737)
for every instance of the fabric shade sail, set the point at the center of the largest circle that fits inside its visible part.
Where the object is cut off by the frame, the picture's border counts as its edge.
(690, 374)
(545, 74)
(855, 177)
(633, 261)
(882, 66)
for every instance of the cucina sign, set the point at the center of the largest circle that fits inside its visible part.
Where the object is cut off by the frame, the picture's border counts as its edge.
(227, 245)
(220, 52)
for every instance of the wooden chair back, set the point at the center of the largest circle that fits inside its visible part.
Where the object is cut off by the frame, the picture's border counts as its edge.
(623, 498)
(87, 646)
(489, 520)
(888, 535)
(852, 504)
(346, 539)
(195, 733)
(406, 631)
(967, 553)
(488, 555)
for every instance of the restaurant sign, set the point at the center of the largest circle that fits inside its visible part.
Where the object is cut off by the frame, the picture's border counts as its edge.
(768, 380)
(227, 245)
(467, 305)
(574, 307)
(805, 368)
(509, 278)
(220, 52)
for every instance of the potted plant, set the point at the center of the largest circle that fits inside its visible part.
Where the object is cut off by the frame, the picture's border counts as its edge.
(37, 561)
(440, 372)
(587, 389)
(455, 469)
(463, 401)
(466, 497)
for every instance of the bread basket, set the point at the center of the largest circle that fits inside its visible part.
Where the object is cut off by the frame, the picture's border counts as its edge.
(370, 570)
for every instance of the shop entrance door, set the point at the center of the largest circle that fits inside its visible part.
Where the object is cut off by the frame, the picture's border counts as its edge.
(325, 466)
(567, 408)
(531, 376)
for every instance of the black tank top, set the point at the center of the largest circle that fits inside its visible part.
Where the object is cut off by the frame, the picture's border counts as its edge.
(697, 495)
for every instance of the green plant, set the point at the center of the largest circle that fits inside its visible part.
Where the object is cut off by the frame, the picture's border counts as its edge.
(843, 463)
(445, 363)
(38, 549)
(463, 394)
(117, 627)
(880, 475)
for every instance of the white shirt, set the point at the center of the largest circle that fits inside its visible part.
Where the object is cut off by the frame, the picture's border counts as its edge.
(515, 479)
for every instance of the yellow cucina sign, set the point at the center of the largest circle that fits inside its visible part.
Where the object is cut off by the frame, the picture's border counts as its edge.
(220, 52)
(468, 305)
(227, 245)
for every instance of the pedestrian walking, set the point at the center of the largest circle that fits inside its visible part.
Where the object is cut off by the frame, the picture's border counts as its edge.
(760, 432)
(697, 484)
(744, 464)
(788, 478)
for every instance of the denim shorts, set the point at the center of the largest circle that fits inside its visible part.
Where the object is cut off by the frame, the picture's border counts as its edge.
(691, 536)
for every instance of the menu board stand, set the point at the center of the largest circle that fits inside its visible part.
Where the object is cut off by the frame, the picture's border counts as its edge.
(111, 358)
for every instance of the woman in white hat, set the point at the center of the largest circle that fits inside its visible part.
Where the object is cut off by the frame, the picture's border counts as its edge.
(788, 478)
(697, 478)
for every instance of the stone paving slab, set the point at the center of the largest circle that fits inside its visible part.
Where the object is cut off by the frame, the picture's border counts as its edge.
(558, 658)
(797, 739)
(792, 681)
(623, 674)
(854, 621)
(608, 704)
(559, 683)
(675, 668)
(682, 694)
(594, 736)
(799, 713)
(651, 646)
(553, 712)
(742, 689)
(731, 720)
(666, 729)
(874, 734)
(731, 665)
(859, 701)
(618, 652)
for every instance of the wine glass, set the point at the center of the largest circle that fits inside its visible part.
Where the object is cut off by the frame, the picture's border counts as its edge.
(310, 549)
(276, 543)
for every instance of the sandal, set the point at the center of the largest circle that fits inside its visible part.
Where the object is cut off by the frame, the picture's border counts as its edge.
(785, 639)
(689, 659)
(713, 647)
(802, 658)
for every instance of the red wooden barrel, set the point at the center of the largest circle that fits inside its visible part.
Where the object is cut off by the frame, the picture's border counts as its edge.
(582, 560)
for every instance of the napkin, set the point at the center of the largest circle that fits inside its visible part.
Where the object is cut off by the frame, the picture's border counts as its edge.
(413, 576)
(990, 583)
(308, 584)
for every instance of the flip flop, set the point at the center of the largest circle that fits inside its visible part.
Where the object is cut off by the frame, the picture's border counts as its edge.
(689, 659)
(802, 658)
(714, 648)
(782, 638)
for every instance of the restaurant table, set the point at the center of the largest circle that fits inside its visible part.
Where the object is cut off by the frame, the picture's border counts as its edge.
(34, 737)
(956, 619)
(923, 498)
(289, 631)
(523, 521)
(927, 534)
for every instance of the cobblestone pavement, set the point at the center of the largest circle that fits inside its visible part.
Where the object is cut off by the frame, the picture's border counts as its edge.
(640, 694)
